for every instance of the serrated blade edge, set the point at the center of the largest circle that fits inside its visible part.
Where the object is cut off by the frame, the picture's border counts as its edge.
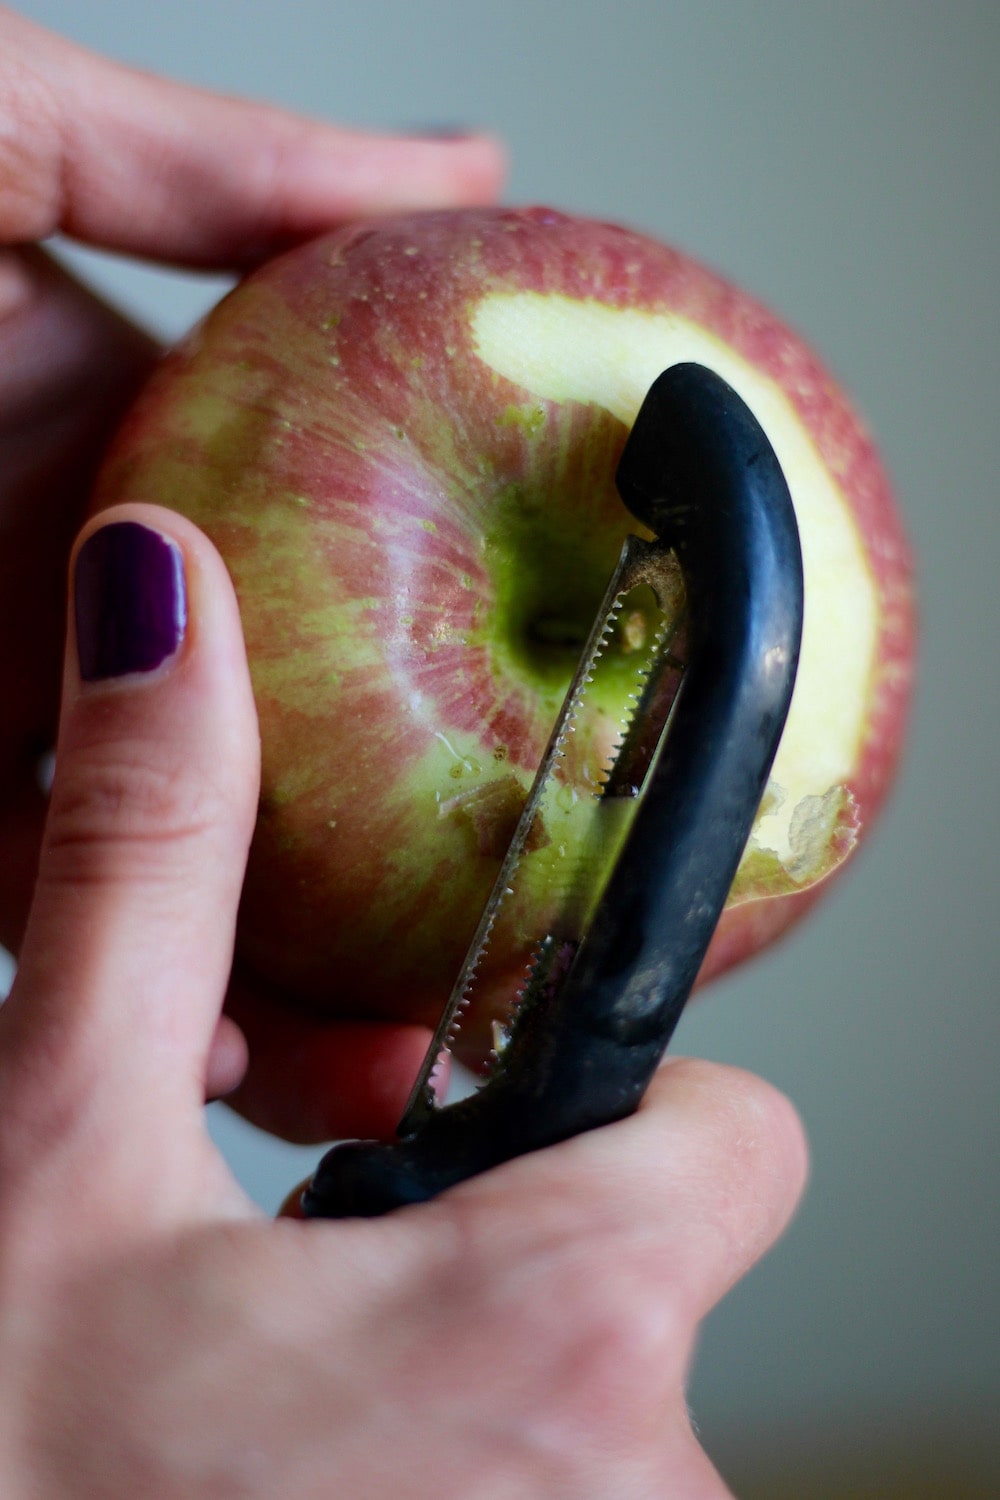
(640, 562)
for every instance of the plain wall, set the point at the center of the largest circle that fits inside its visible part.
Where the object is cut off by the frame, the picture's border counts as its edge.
(841, 161)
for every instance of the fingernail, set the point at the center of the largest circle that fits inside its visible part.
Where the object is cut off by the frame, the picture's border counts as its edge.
(130, 601)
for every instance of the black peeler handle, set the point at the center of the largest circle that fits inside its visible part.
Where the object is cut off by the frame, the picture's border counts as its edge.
(698, 470)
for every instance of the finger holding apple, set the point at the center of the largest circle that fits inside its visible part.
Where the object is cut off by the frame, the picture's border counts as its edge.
(402, 437)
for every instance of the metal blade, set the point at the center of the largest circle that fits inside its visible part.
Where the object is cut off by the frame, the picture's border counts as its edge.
(603, 825)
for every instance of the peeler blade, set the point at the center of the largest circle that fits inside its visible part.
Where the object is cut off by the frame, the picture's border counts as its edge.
(589, 819)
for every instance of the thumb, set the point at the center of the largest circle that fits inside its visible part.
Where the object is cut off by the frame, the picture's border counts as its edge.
(128, 948)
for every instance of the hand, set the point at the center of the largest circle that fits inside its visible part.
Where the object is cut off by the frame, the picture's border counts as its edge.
(527, 1334)
(131, 163)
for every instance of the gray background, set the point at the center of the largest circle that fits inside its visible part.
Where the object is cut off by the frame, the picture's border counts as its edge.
(841, 161)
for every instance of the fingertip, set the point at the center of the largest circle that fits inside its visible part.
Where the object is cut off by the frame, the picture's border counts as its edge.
(199, 553)
(324, 177)
(734, 1166)
(311, 1079)
(155, 592)
(481, 162)
(130, 601)
(227, 1060)
(735, 1113)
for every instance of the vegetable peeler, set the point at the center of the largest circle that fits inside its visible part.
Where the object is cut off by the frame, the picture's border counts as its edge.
(665, 831)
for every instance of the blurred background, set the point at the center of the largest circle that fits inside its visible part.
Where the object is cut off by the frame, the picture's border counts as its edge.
(840, 160)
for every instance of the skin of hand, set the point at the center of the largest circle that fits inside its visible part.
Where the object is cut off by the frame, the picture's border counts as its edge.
(526, 1334)
(131, 163)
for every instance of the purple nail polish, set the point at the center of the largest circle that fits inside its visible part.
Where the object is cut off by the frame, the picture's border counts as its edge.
(130, 601)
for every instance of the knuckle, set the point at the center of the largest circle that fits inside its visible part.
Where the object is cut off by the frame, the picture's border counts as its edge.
(31, 150)
(592, 1333)
(626, 1341)
(615, 1366)
(114, 813)
(272, 169)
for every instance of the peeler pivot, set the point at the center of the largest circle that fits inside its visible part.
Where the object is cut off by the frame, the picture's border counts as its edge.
(698, 472)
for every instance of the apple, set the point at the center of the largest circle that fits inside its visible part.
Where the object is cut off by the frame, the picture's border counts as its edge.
(402, 437)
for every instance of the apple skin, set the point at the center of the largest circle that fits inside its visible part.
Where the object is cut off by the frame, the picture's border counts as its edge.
(419, 541)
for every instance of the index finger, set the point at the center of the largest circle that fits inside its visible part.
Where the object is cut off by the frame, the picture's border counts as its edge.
(122, 159)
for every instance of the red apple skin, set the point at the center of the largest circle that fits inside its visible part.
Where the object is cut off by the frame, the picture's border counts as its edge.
(334, 431)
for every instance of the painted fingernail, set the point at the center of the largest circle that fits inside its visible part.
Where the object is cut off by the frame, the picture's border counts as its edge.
(130, 601)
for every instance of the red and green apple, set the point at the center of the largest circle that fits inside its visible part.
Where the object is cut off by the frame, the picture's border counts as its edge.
(402, 437)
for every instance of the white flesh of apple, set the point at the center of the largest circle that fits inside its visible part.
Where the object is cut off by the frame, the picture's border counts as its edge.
(561, 349)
